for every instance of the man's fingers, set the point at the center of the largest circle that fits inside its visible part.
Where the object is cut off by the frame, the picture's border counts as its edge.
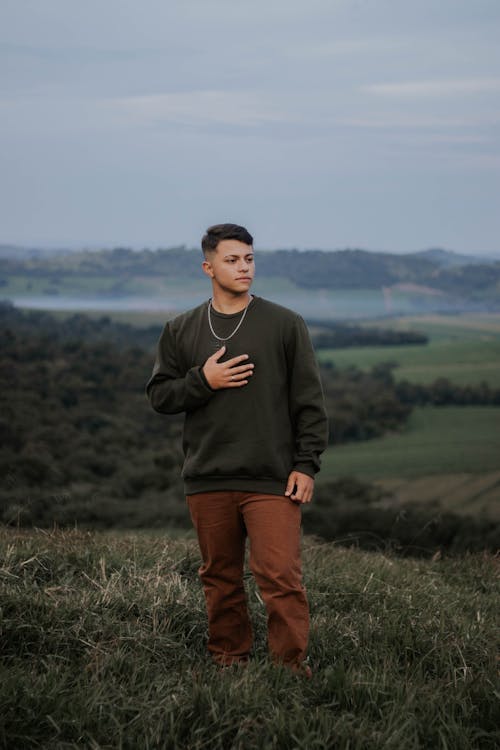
(304, 487)
(229, 374)
(236, 383)
(306, 497)
(218, 354)
(238, 377)
(238, 370)
(235, 360)
(291, 483)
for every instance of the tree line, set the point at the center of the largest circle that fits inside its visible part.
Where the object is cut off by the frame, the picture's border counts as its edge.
(325, 334)
(311, 269)
(337, 335)
(80, 443)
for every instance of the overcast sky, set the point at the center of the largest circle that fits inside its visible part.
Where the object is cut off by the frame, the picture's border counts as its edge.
(315, 123)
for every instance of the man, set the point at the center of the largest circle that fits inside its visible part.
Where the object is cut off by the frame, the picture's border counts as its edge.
(244, 371)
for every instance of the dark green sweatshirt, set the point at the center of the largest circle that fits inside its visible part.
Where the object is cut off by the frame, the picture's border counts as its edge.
(251, 437)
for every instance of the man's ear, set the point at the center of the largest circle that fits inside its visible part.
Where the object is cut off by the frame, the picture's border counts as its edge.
(207, 268)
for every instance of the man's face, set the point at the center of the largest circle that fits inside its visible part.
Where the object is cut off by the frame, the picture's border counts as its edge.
(231, 267)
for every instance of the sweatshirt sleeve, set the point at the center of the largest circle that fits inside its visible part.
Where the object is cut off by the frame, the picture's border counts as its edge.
(170, 389)
(306, 401)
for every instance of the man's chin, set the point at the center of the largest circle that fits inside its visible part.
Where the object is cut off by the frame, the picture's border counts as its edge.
(238, 290)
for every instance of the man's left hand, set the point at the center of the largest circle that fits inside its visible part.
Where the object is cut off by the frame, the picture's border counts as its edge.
(304, 486)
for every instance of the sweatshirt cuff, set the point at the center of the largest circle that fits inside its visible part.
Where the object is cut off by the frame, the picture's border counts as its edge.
(205, 381)
(306, 468)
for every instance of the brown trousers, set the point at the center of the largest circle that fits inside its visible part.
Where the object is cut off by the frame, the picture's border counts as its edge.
(223, 520)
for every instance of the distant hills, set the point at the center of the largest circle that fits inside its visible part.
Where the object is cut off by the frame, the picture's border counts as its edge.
(451, 258)
(435, 254)
(430, 279)
(18, 251)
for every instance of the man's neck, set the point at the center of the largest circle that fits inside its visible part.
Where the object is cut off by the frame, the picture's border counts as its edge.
(230, 304)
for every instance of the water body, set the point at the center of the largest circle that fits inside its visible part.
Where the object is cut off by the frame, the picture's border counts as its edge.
(323, 304)
(312, 303)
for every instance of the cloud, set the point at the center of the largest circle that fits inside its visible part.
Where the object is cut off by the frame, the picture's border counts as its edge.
(214, 110)
(434, 88)
(212, 107)
(410, 121)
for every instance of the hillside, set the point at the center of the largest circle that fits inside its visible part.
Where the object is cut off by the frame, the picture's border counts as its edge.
(103, 641)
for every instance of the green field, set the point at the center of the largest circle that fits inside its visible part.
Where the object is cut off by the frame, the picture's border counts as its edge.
(103, 646)
(437, 440)
(464, 349)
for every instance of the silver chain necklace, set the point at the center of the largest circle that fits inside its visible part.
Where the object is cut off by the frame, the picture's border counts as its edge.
(226, 338)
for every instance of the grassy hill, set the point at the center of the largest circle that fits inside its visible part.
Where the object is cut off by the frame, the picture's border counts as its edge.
(103, 641)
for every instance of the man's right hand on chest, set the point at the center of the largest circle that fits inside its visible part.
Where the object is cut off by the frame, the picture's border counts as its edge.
(230, 374)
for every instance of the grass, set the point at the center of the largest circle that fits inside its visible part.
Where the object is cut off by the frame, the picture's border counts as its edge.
(436, 440)
(103, 638)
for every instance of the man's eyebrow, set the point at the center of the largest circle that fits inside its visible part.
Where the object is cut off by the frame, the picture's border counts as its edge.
(232, 255)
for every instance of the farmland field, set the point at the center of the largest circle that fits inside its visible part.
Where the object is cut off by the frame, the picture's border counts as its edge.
(464, 349)
(447, 457)
(436, 440)
(471, 494)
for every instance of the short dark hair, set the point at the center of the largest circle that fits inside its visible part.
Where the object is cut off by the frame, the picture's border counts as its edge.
(219, 232)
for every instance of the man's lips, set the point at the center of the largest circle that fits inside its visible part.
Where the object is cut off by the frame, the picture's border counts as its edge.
(243, 278)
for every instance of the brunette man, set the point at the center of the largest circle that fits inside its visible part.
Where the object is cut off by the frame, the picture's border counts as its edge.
(244, 372)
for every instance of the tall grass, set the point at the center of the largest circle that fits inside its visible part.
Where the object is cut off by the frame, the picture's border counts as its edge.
(103, 646)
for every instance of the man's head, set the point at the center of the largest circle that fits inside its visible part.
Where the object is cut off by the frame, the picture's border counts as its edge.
(219, 232)
(229, 258)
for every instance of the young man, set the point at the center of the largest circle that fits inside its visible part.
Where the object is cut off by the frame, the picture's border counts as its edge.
(244, 371)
